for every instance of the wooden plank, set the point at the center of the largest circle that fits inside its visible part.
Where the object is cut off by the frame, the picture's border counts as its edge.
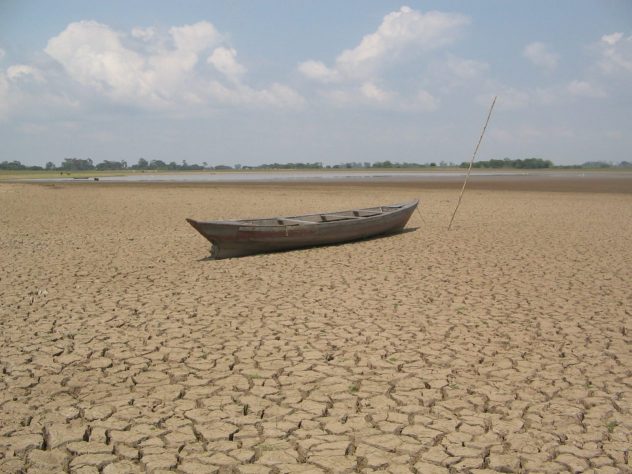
(369, 213)
(298, 221)
(339, 217)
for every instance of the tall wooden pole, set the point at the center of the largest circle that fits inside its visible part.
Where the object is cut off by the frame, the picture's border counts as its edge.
(489, 114)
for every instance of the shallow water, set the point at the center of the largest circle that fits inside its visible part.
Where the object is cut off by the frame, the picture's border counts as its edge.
(184, 177)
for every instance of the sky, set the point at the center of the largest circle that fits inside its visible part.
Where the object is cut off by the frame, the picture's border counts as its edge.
(252, 82)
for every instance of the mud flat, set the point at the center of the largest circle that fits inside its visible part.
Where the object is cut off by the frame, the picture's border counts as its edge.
(504, 345)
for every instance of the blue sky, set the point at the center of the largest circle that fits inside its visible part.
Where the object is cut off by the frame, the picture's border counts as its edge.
(259, 82)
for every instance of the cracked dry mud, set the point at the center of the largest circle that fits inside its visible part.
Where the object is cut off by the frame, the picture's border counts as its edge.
(501, 346)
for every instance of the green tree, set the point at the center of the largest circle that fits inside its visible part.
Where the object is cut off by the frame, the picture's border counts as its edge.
(77, 164)
(142, 164)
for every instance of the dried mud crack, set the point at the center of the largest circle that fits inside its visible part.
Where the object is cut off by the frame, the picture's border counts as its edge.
(501, 346)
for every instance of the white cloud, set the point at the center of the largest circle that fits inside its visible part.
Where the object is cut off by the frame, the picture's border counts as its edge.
(401, 35)
(145, 34)
(195, 38)
(225, 61)
(400, 31)
(585, 89)
(612, 39)
(2, 54)
(540, 55)
(616, 53)
(21, 90)
(161, 70)
(318, 71)
(372, 92)
(22, 71)
(94, 55)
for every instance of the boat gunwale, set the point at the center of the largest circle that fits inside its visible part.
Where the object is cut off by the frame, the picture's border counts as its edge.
(249, 223)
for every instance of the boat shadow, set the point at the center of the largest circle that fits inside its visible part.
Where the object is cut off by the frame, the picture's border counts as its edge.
(365, 239)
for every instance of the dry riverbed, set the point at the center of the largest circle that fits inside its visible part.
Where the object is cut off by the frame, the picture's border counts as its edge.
(504, 345)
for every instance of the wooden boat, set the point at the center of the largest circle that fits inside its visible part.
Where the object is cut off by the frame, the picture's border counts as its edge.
(251, 236)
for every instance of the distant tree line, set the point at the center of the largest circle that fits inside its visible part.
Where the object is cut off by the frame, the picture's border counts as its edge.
(389, 164)
(539, 163)
(16, 165)
(527, 163)
(86, 164)
(160, 165)
(282, 166)
(347, 165)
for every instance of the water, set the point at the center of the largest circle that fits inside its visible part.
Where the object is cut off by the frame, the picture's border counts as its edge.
(219, 177)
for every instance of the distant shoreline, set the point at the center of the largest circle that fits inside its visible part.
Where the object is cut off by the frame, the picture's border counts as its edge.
(593, 181)
(56, 175)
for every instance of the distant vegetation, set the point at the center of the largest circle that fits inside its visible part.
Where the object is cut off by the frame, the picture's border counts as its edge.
(527, 163)
(16, 165)
(348, 165)
(81, 164)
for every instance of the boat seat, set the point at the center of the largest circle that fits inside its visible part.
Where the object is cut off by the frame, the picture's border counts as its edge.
(337, 217)
(369, 213)
(296, 221)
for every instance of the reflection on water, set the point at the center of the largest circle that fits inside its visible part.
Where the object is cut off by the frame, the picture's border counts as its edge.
(205, 177)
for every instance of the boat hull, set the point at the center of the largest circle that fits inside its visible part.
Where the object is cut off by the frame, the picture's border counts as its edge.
(236, 239)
